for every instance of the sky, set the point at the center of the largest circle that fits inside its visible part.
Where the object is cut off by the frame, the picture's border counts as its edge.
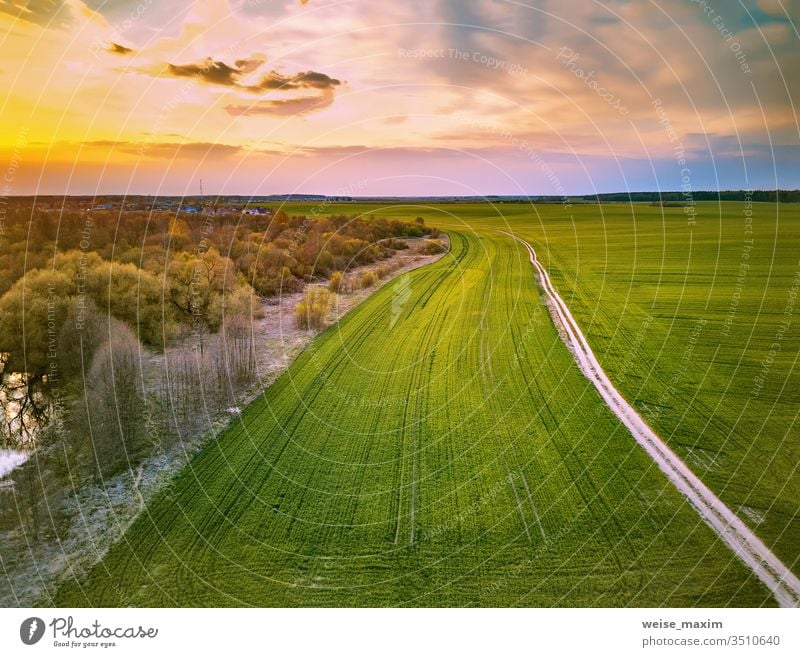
(428, 97)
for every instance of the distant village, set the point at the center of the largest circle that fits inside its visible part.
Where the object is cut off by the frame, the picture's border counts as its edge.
(188, 204)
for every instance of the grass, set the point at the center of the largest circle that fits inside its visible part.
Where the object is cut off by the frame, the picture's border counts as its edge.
(436, 447)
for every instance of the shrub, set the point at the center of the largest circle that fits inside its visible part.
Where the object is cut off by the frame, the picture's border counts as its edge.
(312, 310)
(336, 283)
(432, 247)
(367, 279)
(395, 244)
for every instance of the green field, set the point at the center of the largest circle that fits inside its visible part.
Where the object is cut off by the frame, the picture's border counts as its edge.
(453, 456)
(684, 320)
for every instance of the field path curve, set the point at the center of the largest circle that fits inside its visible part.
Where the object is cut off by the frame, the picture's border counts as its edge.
(783, 584)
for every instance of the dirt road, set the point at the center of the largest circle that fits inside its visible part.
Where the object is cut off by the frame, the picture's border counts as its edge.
(785, 586)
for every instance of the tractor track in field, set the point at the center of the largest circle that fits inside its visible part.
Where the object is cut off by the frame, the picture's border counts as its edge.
(417, 386)
(772, 572)
(490, 388)
(413, 469)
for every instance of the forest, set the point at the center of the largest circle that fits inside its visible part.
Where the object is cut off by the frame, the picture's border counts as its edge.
(106, 293)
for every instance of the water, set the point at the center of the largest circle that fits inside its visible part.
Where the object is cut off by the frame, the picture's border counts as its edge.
(10, 459)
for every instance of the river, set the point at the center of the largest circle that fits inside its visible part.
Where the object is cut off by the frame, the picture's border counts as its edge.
(10, 459)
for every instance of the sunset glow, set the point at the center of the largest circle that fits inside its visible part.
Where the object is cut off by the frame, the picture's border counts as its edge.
(397, 98)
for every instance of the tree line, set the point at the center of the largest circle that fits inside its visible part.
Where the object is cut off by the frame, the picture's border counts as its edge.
(758, 196)
(88, 300)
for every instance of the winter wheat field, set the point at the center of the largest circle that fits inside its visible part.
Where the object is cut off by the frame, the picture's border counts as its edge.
(440, 444)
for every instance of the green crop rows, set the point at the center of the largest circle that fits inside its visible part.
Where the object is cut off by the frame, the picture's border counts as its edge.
(437, 447)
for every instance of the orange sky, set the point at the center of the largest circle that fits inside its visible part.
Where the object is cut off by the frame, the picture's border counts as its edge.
(368, 98)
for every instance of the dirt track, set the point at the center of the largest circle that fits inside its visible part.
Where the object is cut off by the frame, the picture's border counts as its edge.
(785, 586)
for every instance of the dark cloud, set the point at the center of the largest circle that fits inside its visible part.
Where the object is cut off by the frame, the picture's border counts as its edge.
(318, 87)
(218, 72)
(209, 71)
(118, 49)
(316, 80)
(275, 81)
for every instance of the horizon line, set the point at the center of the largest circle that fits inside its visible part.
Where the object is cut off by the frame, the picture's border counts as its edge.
(687, 194)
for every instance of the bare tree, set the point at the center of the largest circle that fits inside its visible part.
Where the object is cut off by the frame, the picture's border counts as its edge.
(114, 403)
(239, 347)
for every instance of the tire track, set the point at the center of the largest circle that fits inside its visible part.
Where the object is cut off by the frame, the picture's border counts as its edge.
(414, 467)
(774, 574)
(484, 356)
(432, 282)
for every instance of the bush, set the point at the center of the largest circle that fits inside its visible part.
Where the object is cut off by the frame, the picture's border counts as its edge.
(335, 285)
(312, 310)
(367, 279)
(432, 247)
(396, 245)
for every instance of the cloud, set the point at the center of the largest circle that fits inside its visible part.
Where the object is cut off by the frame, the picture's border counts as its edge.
(118, 49)
(218, 72)
(249, 64)
(210, 71)
(779, 8)
(396, 119)
(158, 148)
(316, 80)
(154, 146)
(275, 81)
(171, 150)
(284, 107)
(55, 14)
(52, 13)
